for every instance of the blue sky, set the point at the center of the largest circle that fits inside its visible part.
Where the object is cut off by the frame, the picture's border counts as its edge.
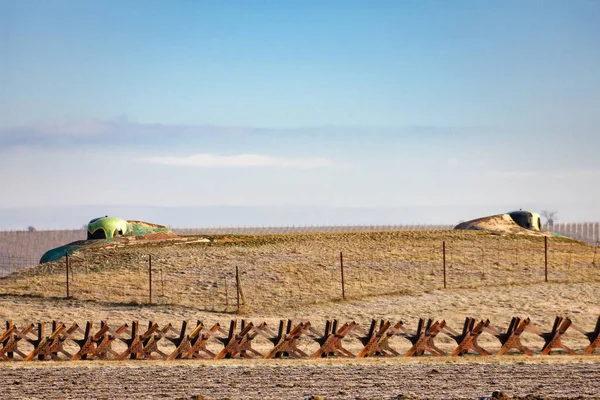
(386, 104)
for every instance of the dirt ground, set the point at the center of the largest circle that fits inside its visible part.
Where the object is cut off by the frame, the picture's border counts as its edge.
(389, 275)
(540, 302)
(369, 379)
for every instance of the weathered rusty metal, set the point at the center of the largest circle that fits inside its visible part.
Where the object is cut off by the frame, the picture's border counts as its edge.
(593, 337)
(546, 259)
(467, 340)
(67, 267)
(373, 339)
(342, 272)
(6, 340)
(239, 344)
(54, 341)
(88, 344)
(183, 341)
(396, 330)
(553, 338)
(198, 341)
(511, 339)
(286, 344)
(42, 343)
(331, 340)
(444, 261)
(150, 279)
(104, 348)
(10, 345)
(134, 343)
(423, 338)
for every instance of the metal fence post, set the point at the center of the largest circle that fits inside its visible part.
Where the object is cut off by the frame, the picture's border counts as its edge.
(444, 260)
(546, 258)
(162, 284)
(226, 294)
(482, 263)
(237, 286)
(342, 272)
(67, 272)
(150, 277)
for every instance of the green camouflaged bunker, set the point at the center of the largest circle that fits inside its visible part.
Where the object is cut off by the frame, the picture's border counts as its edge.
(106, 228)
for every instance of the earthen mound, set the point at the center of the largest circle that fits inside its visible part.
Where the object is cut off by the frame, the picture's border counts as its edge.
(501, 224)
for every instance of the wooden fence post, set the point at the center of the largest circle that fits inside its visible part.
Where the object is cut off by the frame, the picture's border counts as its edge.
(444, 261)
(342, 271)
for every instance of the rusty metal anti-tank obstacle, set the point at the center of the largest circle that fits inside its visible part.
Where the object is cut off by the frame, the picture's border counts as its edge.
(58, 341)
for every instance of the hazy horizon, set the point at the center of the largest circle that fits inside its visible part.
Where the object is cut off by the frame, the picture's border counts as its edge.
(49, 218)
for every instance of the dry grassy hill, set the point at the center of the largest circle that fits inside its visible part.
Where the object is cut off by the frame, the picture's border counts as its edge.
(387, 274)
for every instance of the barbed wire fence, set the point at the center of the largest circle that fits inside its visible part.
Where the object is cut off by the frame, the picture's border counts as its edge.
(292, 276)
(10, 263)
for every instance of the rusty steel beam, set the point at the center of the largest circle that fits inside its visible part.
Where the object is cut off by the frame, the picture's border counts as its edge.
(423, 338)
(198, 343)
(467, 340)
(592, 336)
(331, 340)
(53, 341)
(511, 339)
(239, 344)
(10, 345)
(373, 339)
(46, 346)
(553, 339)
(286, 344)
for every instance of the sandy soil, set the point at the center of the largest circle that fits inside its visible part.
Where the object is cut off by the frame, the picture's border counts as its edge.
(540, 302)
(380, 379)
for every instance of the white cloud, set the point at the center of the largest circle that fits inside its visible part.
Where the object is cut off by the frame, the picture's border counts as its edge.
(236, 161)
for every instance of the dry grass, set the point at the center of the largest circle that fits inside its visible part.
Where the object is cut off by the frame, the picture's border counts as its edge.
(281, 272)
(396, 275)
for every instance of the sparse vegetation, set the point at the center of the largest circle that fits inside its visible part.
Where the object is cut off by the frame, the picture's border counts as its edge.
(290, 273)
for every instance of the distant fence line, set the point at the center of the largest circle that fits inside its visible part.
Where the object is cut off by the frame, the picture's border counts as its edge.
(10, 263)
(304, 229)
(20, 249)
(586, 231)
